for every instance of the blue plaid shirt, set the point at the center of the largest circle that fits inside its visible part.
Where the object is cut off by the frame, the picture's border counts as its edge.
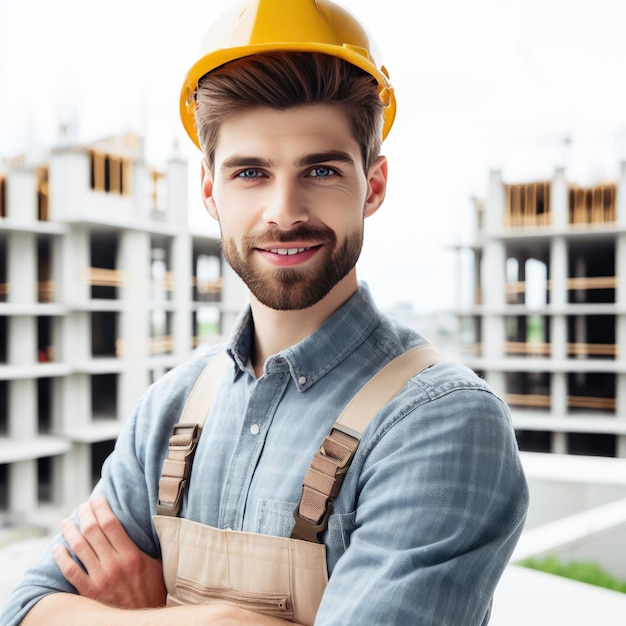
(427, 516)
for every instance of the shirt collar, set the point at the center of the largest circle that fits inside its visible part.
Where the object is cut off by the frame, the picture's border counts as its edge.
(316, 355)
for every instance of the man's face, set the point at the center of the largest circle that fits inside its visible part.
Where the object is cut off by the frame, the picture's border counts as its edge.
(290, 194)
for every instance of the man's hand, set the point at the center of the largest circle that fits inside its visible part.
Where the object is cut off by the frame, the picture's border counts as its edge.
(117, 572)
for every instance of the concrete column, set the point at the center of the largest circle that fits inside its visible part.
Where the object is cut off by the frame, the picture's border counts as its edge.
(72, 475)
(181, 252)
(620, 411)
(494, 298)
(559, 443)
(22, 196)
(620, 268)
(73, 262)
(74, 338)
(494, 204)
(69, 183)
(71, 403)
(134, 259)
(141, 184)
(22, 340)
(558, 337)
(493, 270)
(72, 394)
(234, 297)
(558, 271)
(56, 265)
(134, 262)
(477, 296)
(181, 267)
(177, 202)
(23, 490)
(494, 335)
(22, 267)
(558, 405)
(559, 199)
(23, 424)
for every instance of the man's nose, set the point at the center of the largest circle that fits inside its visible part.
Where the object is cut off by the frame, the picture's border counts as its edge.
(285, 206)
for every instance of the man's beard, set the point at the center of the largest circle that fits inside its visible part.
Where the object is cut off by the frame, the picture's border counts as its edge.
(293, 288)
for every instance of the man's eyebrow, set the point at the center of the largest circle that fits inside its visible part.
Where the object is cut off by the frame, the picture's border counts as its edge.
(324, 157)
(308, 159)
(244, 161)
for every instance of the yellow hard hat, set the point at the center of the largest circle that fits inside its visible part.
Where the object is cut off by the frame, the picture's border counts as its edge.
(260, 26)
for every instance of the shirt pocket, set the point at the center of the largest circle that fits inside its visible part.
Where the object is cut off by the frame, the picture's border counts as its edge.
(274, 517)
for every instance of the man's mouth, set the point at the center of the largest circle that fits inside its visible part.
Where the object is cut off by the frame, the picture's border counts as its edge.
(288, 251)
(290, 256)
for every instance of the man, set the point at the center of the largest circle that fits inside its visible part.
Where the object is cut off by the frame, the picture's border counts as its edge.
(290, 123)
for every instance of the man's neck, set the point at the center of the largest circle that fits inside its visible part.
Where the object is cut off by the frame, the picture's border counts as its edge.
(277, 330)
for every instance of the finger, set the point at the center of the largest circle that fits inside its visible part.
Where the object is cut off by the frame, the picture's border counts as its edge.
(92, 532)
(78, 544)
(111, 526)
(72, 571)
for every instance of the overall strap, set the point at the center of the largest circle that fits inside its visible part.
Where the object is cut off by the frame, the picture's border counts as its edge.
(183, 442)
(329, 466)
(326, 472)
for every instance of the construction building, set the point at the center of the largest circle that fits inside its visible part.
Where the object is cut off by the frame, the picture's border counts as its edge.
(103, 288)
(547, 325)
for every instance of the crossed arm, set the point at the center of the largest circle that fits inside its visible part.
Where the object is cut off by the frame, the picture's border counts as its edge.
(458, 499)
(119, 582)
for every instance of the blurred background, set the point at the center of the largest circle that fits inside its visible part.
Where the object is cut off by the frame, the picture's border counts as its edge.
(503, 238)
(522, 86)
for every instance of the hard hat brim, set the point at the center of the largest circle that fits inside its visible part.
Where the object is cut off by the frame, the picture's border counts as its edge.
(357, 56)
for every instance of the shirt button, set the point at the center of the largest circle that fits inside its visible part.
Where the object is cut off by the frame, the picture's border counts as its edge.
(302, 381)
(254, 429)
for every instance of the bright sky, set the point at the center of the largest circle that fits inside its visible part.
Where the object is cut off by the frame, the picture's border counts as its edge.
(480, 85)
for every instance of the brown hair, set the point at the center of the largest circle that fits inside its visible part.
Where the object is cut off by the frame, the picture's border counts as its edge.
(281, 80)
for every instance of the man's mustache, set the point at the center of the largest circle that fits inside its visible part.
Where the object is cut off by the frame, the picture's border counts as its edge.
(301, 233)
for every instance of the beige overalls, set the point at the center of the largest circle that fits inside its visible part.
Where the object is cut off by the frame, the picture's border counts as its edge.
(277, 576)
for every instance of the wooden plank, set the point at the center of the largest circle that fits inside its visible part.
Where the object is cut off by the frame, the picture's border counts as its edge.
(527, 399)
(97, 167)
(102, 277)
(115, 177)
(592, 349)
(527, 347)
(588, 402)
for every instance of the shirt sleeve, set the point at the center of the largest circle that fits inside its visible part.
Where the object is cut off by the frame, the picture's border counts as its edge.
(129, 482)
(441, 503)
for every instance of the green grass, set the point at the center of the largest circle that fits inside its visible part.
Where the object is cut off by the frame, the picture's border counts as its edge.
(582, 571)
(208, 329)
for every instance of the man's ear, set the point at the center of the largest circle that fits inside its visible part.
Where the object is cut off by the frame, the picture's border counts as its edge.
(377, 186)
(207, 189)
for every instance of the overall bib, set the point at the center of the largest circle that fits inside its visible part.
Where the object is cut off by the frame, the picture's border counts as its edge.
(276, 576)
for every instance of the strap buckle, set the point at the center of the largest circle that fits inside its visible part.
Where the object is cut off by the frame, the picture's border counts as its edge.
(332, 465)
(183, 443)
(184, 436)
(346, 430)
(305, 529)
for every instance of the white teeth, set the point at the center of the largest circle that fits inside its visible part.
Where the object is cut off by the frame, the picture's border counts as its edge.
(288, 251)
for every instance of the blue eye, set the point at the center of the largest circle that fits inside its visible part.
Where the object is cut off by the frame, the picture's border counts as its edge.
(322, 172)
(249, 173)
